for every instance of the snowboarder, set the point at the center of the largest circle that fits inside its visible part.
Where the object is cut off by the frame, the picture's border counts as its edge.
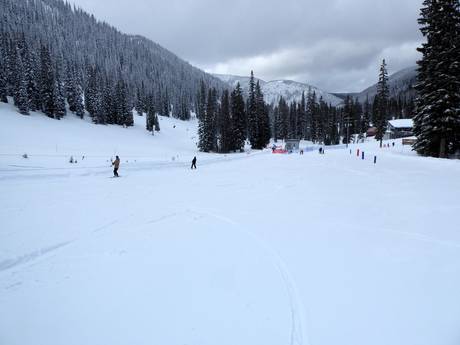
(116, 165)
(193, 163)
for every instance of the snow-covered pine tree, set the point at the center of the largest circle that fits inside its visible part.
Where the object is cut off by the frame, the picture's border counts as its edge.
(253, 121)
(291, 121)
(226, 128)
(263, 120)
(312, 109)
(3, 90)
(47, 82)
(302, 118)
(238, 116)
(437, 119)
(206, 125)
(141, 100)
(382, 98)
(3, 68)
(333, 134)
(125, 113)
(59, 97)
(73, 91)
(31, 66)
(22, 98)
(201, 109)
(276, 123)
(156, 123)
(283, 119)
(150, 110)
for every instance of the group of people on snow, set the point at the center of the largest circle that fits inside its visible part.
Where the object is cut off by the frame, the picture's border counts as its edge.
(116, 165)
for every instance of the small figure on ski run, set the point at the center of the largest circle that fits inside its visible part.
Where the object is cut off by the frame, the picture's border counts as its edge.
(193, 163)
(320, 150)
(273, 148)
(116, 165)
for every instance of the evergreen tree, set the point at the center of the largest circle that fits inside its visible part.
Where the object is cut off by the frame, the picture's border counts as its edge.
(141, 100)
(302, 118)
(366, 115)
(253, 121)
(3, 88)
(263, 120)
(150, 118)
(21, 96)
(312, 109)
(201, 109)
(47, 82)
(156, 123)
(382, 97)
(3, 69)
(206, 125)
(437, 119)
(59, 97)
(226, 128)
(283, 118)
(238, 116)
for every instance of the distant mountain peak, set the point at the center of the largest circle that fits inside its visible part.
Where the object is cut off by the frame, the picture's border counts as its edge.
(290, 90)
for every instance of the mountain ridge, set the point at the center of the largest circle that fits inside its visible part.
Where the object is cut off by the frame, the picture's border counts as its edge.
(290, 90)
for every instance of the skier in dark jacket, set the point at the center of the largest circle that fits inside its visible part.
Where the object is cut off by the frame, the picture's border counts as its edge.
(193, 163)
(116, 165)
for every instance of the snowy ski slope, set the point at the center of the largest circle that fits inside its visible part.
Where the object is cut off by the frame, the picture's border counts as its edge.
(248, 249)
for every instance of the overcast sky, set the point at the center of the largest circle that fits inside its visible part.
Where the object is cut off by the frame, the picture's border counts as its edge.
(336, 45)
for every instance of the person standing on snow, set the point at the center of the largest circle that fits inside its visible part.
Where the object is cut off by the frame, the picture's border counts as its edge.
(116, 165)
(193, 163)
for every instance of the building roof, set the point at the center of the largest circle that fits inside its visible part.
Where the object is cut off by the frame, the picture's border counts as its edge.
(401, 123)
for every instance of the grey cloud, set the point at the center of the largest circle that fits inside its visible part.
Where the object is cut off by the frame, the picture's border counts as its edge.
(335, 44)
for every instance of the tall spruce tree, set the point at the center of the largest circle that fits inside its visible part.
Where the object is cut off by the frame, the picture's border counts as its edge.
(238, 116)
(3, 69)
(59, 96)
(437, 119)
(382, 99)
(226, 128)
(206, 125)
(263, 120)
(47, 82)
(22, 98)
(253, 120)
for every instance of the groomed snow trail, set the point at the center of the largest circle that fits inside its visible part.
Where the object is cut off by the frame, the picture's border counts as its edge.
(248, 249)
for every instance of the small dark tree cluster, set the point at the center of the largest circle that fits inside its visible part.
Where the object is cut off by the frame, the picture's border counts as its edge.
(222, 121)
(308, 119)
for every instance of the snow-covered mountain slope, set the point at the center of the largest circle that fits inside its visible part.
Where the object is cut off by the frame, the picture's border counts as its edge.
(247, 249)
(400, 83)
(273, 90)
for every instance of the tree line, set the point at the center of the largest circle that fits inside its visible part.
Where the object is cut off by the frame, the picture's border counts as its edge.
(226, 121)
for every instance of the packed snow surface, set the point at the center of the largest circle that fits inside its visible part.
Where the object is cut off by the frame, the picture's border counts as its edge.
(251, 248)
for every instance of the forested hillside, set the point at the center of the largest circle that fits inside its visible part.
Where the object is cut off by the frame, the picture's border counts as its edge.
(51, 52)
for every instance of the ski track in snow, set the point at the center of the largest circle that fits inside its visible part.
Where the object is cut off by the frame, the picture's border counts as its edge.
(296, 333)
(54, 172)
(23, 259)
